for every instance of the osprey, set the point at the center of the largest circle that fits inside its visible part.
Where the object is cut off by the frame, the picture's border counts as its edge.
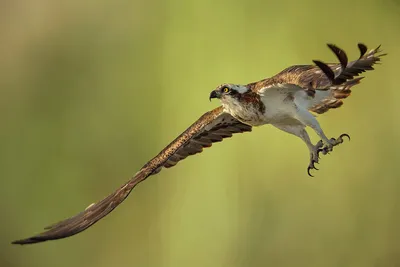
(286, 100)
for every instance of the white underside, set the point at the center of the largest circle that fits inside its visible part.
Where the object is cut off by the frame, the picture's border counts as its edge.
(283, 105)
(286, 107)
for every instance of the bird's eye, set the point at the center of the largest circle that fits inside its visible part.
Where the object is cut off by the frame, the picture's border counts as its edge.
(225, 90)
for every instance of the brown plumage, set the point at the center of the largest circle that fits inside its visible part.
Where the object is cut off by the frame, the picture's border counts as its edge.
(212, 127)
(283, 100)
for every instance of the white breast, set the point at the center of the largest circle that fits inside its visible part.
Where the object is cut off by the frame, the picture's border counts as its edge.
(280, 102)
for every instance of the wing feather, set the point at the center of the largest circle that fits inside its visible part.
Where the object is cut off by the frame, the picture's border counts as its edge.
(212, 127)
(322, 76)
(334, 78)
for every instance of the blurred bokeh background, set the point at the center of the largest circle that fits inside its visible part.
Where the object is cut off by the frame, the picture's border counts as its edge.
(91, 90)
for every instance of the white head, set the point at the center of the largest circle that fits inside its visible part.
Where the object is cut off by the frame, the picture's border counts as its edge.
(228, 92)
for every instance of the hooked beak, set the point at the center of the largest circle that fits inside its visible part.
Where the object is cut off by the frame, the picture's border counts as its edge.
(214, 94)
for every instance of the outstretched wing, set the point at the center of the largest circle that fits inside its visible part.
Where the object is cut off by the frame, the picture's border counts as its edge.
(335, 79)
(212, 127)
(340, 78)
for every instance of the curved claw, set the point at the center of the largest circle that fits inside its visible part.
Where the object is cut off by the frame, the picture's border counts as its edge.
(308, 171)
(346, 135)
(311, 166)
(325, 149)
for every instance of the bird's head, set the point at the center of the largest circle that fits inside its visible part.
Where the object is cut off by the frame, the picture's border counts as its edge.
(226, 92)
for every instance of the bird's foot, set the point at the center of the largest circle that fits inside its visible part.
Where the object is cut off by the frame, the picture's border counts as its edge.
(314, 157)
(324, 149)
(333, 142)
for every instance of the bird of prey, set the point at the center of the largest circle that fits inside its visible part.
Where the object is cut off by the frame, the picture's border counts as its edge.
(288, 101)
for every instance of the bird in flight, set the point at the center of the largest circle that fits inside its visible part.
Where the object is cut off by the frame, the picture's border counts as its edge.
(288, 101)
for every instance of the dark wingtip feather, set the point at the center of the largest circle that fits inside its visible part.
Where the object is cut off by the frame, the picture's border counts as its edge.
(340, 54)
(326, 69)
(363, 49)
(27, 241)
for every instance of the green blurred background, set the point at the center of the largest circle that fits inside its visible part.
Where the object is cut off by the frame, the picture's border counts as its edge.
(92, 90)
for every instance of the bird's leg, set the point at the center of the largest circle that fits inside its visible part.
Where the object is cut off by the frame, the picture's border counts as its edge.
(333, 142)
(308, 119)
(314, 154)
(299, 131)
(314, 151)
